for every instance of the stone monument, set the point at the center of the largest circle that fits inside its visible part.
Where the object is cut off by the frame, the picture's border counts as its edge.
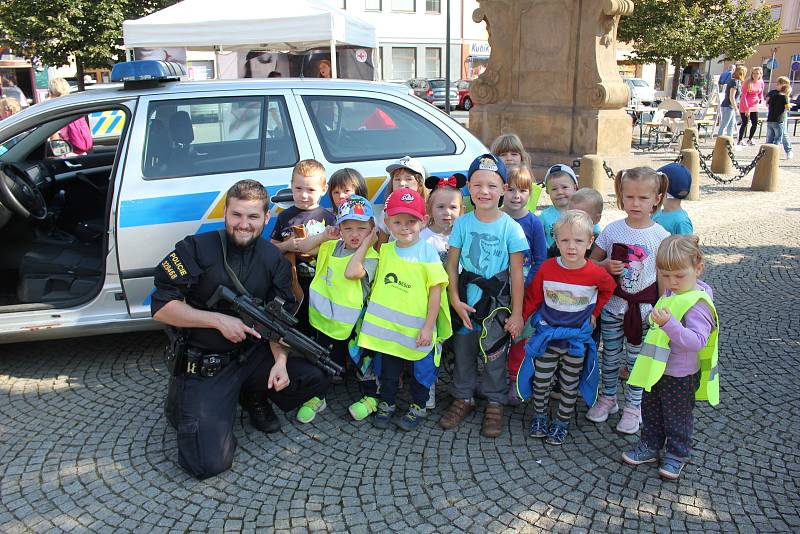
(552, 78)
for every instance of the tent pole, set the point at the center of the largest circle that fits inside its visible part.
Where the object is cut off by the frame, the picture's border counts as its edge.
(334, 69)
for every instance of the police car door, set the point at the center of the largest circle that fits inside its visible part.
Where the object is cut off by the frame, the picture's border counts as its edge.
(186, 150)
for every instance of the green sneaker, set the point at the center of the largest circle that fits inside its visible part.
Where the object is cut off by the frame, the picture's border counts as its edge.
(361, 409)
(310, 408)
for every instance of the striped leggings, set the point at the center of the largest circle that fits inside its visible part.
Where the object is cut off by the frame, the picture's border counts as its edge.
(545, 367)
(617, 350)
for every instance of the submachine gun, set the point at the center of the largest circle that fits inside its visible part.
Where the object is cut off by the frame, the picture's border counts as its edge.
(272, 321)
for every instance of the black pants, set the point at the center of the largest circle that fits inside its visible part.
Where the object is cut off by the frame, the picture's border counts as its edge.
(753, 116)
(205, 408)
(391, 369)
(667, 414)
(340, 353)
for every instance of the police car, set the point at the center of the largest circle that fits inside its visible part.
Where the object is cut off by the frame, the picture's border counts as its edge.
(81, 234)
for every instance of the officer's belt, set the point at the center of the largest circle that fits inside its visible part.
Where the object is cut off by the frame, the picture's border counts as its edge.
(208, 364)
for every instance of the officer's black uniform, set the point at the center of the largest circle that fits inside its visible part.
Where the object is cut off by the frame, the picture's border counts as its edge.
(205, 407)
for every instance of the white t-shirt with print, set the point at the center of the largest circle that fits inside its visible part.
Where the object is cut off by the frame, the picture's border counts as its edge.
(640, 267)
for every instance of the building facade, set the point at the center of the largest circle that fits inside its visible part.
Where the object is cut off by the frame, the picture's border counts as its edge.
(780, 57)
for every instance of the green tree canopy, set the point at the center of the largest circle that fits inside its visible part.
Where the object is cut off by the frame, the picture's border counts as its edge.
(682, 30)
(54, 30)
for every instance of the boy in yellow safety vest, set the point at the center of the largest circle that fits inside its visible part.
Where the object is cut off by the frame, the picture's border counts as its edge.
(678, 361)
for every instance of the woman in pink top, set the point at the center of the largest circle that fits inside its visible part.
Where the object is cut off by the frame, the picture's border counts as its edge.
(752, 95)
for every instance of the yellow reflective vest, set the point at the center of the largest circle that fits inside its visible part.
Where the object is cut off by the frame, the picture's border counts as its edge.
(652, 360)
(398, 306)
(334, 301)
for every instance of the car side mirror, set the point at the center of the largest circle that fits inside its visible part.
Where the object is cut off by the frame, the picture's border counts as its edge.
(59, 147)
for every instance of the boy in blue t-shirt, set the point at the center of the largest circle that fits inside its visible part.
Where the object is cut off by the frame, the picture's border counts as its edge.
(672, 217)
(560, 183)
(488, 246)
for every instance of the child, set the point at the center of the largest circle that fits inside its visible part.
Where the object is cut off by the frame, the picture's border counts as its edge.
(508, 147)
(306, 218)
(343, 183)
(405, 172)
(516, 205)
(627, 249)
(778, 111)
(566, 296)
(484, 294)
(344, 275)
(407, 316)
(445, 204)
(560, 183)
(590, 202)
(673, 218)
(685, 325)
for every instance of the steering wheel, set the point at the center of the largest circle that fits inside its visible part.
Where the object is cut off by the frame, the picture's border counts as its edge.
(19, 193)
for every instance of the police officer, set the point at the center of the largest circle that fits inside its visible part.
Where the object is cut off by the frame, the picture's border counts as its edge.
(225, 363)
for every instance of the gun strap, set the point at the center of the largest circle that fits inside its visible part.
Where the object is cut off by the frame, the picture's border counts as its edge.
(223, 239)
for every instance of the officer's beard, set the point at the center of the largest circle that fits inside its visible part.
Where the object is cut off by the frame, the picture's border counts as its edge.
(240, 240)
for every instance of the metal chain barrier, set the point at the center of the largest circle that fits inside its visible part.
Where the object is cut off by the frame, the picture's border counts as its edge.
(697, 147)
(609, 171)
(743, 171)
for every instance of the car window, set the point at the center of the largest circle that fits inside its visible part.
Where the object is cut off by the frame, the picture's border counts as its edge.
(359, 129)
(437, 84)
(217, 135)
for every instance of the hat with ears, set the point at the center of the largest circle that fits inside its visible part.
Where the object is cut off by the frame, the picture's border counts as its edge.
(456, 180)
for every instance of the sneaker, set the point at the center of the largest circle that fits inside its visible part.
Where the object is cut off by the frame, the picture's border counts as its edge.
(789, 155)
(642, 454)
(630, 420)
(539, 425)
(310, 408)
(456, 413)
(557, 433)
(604, 407)
(411, 419)
(431, 404)
(361, 409)
(383, 415)
(492, 425)
(671, 467)
(750, 142)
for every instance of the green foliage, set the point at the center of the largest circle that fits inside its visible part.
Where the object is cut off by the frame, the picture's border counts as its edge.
(54, 30)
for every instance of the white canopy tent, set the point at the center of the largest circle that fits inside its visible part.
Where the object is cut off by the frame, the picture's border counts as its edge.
(250, 24)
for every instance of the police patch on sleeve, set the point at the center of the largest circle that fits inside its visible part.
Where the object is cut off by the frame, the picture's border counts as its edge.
(173, 266)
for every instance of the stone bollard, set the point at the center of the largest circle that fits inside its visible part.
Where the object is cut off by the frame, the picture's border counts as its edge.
(690, 158)
(592, 173)
(720, 161)
(765, 177)
(689, 138)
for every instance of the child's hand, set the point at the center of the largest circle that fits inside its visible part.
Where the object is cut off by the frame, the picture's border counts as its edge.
(331, 233)
(297, 244)
(373, 236)
(661, 316)
(514, 325)
(463, 310)
(425, 336)
(593, 322)
(615, 267)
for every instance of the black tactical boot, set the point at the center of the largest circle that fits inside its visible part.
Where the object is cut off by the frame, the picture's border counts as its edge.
(262, 416)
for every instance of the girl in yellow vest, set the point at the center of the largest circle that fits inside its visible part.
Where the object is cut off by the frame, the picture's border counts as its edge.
(345, 271)
(678, 361)
(408, 316)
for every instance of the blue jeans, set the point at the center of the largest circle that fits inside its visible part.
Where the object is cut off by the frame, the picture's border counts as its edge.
(776, 134)
(727, 121)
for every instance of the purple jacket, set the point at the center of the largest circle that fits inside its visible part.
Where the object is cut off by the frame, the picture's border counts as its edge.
(688, 336)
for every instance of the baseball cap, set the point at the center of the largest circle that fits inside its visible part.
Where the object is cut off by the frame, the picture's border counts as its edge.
(355, 208)
(405, 200)
(680, 180)
(407, 162)
(488, 162)
(560, 167)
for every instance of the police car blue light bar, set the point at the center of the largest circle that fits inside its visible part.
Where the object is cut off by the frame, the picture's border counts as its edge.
(147, 70)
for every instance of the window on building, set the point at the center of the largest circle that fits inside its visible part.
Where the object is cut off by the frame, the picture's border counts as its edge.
(433, 6)
(367, 129)
(404, 63)
(373, 5)
(433, 62)
(775, 12)
(408, 6)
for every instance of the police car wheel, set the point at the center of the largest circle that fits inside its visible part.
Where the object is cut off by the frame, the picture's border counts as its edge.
(19, 193)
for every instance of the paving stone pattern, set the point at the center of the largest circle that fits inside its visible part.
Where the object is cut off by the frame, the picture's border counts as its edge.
(85, 447)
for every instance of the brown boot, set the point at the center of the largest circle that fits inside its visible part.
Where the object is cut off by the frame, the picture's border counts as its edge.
(492, 420)
(456, 413)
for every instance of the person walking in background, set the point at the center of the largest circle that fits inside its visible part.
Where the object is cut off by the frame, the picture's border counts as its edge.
(77, 133)
(752, 96)
(733, 89)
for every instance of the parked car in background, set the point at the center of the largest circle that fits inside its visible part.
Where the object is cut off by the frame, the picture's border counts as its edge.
(464, 99)
(432, 91)
(641, 91)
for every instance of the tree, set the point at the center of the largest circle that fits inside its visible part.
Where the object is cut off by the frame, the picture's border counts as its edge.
(681, 30)
(54, 30)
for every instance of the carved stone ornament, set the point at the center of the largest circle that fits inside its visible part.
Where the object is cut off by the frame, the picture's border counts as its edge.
(612, 11)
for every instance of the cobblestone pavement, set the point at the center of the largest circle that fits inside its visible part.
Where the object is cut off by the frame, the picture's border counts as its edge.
(85, 447)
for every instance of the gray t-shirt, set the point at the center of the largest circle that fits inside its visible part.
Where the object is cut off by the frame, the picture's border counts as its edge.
(732, 84)
(370, 265)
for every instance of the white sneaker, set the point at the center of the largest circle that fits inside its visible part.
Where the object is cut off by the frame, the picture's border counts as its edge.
(431, 402)
(789, 155)
(602, 408)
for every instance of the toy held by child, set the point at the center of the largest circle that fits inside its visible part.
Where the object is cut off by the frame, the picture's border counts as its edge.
(672, 217)
(627, 250)
(678, 362)
(407, 316)
(565, 299)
